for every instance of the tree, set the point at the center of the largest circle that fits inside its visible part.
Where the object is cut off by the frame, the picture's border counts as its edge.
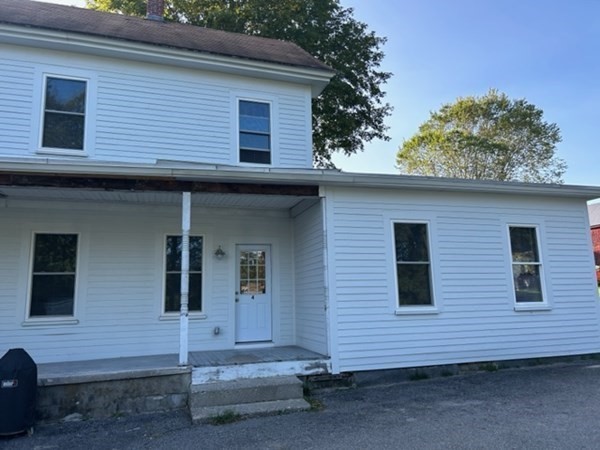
(489, 138)
(351, 110)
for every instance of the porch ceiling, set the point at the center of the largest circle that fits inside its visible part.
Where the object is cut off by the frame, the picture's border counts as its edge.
(206, 199)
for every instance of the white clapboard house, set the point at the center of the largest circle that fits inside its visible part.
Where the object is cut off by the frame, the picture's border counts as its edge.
(116, 133)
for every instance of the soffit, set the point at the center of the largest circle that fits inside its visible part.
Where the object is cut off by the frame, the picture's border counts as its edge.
(251, 201)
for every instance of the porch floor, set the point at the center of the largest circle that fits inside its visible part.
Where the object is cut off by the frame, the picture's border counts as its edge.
(143, 366)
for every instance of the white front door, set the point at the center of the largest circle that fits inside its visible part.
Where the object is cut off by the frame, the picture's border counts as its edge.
(253, 294)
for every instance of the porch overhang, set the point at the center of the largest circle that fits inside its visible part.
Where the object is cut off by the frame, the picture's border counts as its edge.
(278, 177)
(147, 189)
(146, 183)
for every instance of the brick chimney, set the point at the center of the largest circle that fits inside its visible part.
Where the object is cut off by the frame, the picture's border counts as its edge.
(155, 10)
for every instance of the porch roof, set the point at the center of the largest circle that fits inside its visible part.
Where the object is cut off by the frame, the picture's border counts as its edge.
(150, 188)
(208, 200)
(177, 176)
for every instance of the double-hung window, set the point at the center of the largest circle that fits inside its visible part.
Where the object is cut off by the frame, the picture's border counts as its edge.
(255, 132)
(53, 275)
(526, 264)
(413, 264)
(63, 121)
(173, 274)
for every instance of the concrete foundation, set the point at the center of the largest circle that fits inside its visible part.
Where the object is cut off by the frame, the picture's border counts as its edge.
(89, 398)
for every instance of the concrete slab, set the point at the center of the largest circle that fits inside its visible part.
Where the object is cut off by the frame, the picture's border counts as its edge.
(245, 391)
(75, 372)
(72, 372)
(202, 415)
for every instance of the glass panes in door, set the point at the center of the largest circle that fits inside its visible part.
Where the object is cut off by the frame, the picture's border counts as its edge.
(253, 272)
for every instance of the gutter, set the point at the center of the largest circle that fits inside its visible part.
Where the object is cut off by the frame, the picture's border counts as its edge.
(321, 177)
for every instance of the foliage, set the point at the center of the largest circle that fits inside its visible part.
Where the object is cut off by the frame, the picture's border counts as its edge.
(315, 403)
(351, 110)
(418, 375)
(490, 137)
(226, 417)
(489, 367)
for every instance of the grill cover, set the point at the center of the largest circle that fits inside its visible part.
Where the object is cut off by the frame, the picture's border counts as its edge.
(18, 389)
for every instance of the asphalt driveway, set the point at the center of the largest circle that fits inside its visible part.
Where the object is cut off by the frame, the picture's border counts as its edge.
(546, 407)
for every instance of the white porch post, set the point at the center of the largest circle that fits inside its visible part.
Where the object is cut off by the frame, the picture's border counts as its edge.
(185, 276)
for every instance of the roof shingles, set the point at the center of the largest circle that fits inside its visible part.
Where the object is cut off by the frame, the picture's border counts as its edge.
(166, 34)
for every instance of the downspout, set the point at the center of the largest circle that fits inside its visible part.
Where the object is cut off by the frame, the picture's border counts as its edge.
(185, 276)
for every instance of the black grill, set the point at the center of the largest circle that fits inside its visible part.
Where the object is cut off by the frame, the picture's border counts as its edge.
(18, 389)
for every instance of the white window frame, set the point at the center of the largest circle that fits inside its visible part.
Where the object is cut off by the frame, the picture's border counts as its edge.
(544, 305)
(90, 110)
(251, 96)
(434, 307)
(55, 320)
(172, 315)
(239, 149)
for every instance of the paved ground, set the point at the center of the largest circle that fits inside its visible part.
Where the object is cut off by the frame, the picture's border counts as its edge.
(547, 407)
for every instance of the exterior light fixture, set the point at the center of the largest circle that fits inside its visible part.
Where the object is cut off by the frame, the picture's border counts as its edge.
(219, 253)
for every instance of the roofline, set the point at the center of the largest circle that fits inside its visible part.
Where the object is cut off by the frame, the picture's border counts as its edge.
(322, 177)
(152, 53)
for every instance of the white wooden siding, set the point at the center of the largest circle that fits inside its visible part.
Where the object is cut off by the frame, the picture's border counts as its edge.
(476, 320)
(120, 278)
(295, 144)
(147, 112)
(16, 81)
(311, 323)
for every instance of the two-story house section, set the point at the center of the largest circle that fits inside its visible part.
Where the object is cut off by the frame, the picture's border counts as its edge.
(98, 114)
(102, 87)
(136, 153)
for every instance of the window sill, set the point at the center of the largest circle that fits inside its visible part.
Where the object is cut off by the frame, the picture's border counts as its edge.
(50, 321)
(175, 316)
(416, 310)
(62, 152)
(538, 307)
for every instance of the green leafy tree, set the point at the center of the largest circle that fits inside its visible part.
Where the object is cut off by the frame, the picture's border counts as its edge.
(351, 110)
(489, 138)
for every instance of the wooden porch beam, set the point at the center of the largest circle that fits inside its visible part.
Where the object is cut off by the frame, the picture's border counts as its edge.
(117, 183)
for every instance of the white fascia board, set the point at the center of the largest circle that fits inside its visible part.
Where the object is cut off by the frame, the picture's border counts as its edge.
(321, 177)
(134, 51)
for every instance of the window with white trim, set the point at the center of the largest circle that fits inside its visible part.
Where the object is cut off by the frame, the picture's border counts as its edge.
(526, 264)
(172, 299)
(63, 120)
(254, 132)
(413, 264)
(53, 275)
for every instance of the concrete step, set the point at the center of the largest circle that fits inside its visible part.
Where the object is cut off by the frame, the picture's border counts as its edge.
(204, 414)
(247, 397)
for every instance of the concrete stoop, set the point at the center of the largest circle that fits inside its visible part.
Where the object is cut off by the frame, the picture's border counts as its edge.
(246, 397)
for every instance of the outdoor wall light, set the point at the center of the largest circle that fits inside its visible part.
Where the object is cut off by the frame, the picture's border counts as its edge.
(219, 253)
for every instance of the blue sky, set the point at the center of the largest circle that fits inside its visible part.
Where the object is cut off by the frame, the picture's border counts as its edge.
(545, 51)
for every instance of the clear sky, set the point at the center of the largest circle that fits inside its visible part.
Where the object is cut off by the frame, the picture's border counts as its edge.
(547, 51)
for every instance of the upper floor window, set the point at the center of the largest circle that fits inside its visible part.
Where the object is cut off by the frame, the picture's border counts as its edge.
(63, 123)
(53, 275)
(173, 274)
(255, 132)
(526, 264)
(413, 264)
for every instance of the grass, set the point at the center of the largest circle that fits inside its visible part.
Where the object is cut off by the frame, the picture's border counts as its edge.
(315, 404)
(538, 362)
(228, 416)
(490, 367)
(418, 375)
